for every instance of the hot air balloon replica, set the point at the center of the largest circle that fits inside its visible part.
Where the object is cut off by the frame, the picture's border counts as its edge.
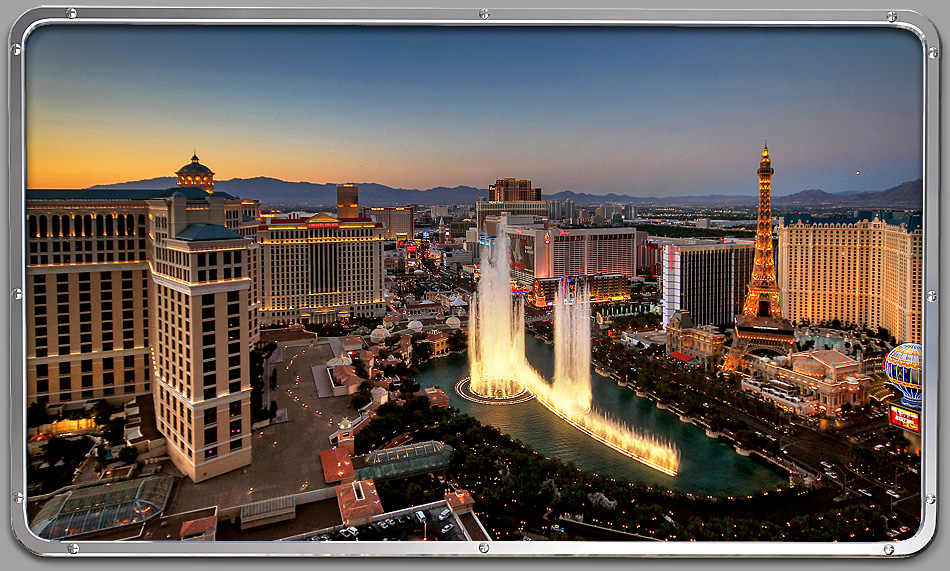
(903, 369)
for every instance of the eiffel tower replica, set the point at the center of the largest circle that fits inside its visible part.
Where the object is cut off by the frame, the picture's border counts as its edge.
(761, 325)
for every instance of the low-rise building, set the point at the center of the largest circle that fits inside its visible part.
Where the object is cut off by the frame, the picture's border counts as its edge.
(831, 378)
(704, 343)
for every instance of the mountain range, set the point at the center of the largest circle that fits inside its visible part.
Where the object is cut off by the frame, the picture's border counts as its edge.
(275, 191)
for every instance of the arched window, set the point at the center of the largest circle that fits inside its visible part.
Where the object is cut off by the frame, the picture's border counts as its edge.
(65, 225)
(100, 226)
(87, 225)
(32, 232)
(42, 227)
(141, 225)
(120, 225)
(77, 225)
(109, 225)
(130, 225)
(55, 226)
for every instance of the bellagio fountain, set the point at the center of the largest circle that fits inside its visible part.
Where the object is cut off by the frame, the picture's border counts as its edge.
(501, 375)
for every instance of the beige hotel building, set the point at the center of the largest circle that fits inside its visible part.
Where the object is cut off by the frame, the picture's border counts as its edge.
(865, 270)
(322, 268)
(138, 292)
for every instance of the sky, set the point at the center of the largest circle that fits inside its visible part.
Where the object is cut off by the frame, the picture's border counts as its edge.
(637, 111)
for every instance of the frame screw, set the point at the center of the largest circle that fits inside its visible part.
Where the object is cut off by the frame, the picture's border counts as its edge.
(892, 17)
(933, 53)
(71, 13)
(931, 296)
(15, 49)
(17, 293)
(931, 498)
(72, 548)
(888, 549)
(484, 14)
(483, 547)
(18, 497)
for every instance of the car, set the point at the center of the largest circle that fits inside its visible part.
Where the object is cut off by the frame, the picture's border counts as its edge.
(879, 447)
(421, 517)
(864, 492)
(447, 528)
(904, 529)
(526, 538)
(893, 533)
(347, 533)
(444, 515)
(391, 521)
(826, 465)
(556, 528)
(892, 494)
(383, 525)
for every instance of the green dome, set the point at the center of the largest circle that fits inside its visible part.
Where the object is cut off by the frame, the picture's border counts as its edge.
(194, 167)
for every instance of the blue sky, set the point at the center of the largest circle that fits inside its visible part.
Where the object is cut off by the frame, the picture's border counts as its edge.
(640, 111)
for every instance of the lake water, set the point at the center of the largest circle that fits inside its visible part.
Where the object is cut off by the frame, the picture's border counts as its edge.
(707, 466)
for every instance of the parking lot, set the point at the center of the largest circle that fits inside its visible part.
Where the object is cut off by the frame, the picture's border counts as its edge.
(433, 525)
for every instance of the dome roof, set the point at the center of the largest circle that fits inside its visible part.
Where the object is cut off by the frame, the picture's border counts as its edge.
(808, 366)
(194, 167)
(453, 322)
(379, 334)
(343, 359)
(415, 325)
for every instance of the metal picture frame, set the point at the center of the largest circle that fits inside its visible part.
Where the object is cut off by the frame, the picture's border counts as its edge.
(18, 52)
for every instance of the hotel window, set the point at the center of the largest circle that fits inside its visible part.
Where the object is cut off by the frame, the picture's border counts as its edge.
(211, 416)
(211, 435)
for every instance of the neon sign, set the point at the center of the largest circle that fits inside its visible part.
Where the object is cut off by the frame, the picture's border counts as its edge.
(323, 225)
(906, 419)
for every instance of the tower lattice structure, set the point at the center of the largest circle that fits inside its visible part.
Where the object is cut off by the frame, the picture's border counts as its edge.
(761, 325)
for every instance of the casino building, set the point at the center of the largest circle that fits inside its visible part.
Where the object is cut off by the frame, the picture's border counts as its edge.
(865, 270)
(322, 268)
(144, 292)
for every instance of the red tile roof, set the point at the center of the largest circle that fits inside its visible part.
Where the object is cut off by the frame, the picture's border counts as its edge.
(198, 526)
(459, 498)
(337, 466)
(352, 505)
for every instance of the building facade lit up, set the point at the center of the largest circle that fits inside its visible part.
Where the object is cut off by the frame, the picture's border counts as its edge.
(864, 270)
(135, 292)
(706, 278)
(511, 196)
(321, 269)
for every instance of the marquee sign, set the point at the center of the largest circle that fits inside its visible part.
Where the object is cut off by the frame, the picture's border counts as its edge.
(905, 418)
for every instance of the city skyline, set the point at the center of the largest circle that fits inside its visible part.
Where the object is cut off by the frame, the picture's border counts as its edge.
(643, 112)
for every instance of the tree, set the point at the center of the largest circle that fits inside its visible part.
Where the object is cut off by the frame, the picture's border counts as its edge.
(360, 399)
(56, 449)
(114, 432)
(36, 415)
(128, 455)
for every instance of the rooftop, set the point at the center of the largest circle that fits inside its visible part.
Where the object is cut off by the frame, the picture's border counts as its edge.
(102, 507)
(205, 232)
(403, 461)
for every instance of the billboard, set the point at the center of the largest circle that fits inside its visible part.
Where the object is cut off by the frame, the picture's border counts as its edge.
(905, 418)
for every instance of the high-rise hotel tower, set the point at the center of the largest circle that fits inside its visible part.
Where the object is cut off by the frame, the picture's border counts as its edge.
(864, 270)
(143, 292)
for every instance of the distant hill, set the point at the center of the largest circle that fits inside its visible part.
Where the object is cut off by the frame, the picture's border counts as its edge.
(276, 191)
(907, 194)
